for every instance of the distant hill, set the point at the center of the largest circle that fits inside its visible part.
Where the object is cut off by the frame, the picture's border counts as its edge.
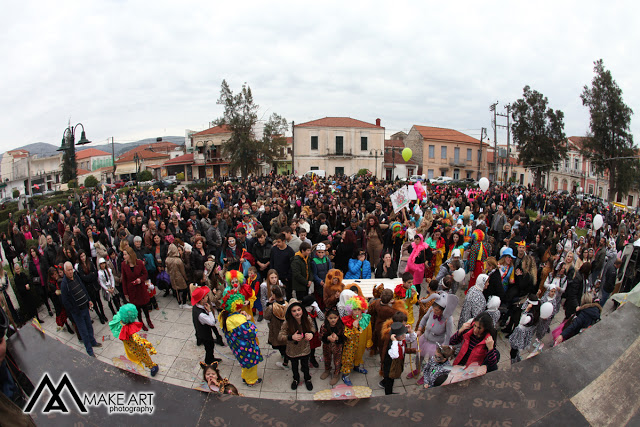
(44, 149)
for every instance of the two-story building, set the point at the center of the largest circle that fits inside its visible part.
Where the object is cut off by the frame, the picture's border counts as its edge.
(209, 160)
(447, 152)
(147, 156)
(91, 159)
(338, 145)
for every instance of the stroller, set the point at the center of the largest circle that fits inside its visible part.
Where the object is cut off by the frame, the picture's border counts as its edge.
(588, 221)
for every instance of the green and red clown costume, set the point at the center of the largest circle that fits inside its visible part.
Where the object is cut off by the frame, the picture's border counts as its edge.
(125, 326)
(236, 281)
(358, 337)
(477, 256)
(241, 336)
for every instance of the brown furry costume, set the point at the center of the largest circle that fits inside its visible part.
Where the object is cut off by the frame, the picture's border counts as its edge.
(330, 290)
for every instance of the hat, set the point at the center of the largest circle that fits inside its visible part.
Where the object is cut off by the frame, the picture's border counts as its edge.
(456, 253)
(198, 294)
(441, 300)
(521, 243)
(493, 303)
(398, 328)
(101, 261)
(245, 212)
(481, 280)
(321, 247)
(506, 252)
(192, 213)
(354, 220)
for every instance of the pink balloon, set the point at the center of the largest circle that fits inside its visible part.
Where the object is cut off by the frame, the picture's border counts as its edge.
(420, 192)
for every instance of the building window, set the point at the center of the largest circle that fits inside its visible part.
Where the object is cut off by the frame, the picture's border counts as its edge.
(339, 170)
(456, 174)
(443, 152)
(314, 168)
(521, 179)
(432, 151)
(430, 173)
(409, 172)
(339, 145)
(363, 143)
(469, 154)
(314, 142)
(469, 175)
(576, 164)
(591, 189)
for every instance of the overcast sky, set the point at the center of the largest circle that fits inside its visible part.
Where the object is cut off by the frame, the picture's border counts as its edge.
(143, 69)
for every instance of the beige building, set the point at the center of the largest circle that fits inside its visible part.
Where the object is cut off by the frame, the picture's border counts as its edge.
(92, 159)
(147, 156)
(206, 146)
(338, 145)
(447, 152)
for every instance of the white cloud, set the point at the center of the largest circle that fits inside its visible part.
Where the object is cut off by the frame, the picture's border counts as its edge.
(140, 69)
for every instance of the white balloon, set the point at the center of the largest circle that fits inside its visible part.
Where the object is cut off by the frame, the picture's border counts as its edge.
(458, 275)
(597, 222)
(484, 184)
(546, 310)
(424, 176)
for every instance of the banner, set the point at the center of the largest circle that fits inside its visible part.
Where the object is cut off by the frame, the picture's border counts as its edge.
(400, 199)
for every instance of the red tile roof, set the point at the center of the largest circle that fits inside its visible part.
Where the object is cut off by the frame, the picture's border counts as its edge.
(90, 152)
(578, 141)
(214, 130)
(339, 122)
(185, 159)
(444, 134)
(393, 143)
(142, 154)
(82, 171)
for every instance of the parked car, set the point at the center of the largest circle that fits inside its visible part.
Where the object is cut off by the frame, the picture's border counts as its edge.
(171, 179)
(130, 184)
(119, 183)
(442, 180)
(147, 183)
(469, 181)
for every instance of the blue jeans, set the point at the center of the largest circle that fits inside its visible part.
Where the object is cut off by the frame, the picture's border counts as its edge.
(83, 322)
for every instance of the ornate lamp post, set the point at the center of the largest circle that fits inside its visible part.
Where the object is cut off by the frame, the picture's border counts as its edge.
(68, 145)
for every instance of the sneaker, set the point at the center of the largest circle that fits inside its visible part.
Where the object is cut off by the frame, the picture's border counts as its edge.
(380, 385)
(346, 380)
(96, 345)
(309, 385)
(282, 365)
(360, 369)
(154, 370)
(294, 385)
(420, 381)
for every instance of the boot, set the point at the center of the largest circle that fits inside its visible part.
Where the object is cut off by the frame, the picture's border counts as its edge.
(325, 375)
(334, 379)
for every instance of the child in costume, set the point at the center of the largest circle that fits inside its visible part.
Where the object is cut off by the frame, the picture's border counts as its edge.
(421, 255)
(274, 313)
(425, 303)
(332, 288)
(313, 310)
(216, 384)
(298, 331)
(332, 335)
(125, 327)
(204, 321)
(396, 349)
(241, 336)
(235, 281)
(380, 310)
(477, 256)
(254, 285)
(524, 332)
(408, 294)
(358, 336)
(438, 365)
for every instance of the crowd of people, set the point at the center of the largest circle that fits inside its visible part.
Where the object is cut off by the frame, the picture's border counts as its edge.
(278, 249)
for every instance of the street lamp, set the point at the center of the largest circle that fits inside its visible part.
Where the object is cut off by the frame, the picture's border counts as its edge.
(68, 145)
(376, 153)
(393, 159)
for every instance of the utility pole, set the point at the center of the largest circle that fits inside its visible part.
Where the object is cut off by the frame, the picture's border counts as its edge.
(293, 147)
(483, 134)
(506, 168)
(113, 161)
(29, 174)
(494, 123)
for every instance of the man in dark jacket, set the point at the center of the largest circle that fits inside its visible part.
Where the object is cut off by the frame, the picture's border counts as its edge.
(301, 273)
(76, 301)
(50, 254)
(280, 261)
(608, 283)
(261, 252)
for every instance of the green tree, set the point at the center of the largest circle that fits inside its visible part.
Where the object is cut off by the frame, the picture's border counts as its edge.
(609, 140)
(240, 116)
(180, 176)
(538, 131)
(145, 175)
(90, 181)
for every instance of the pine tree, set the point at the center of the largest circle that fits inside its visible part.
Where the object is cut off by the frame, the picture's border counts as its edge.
(240, 116)
(538, 132)
(609, 140)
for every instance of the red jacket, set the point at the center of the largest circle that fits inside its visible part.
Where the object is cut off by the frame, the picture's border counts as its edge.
(478, 353)
(136, 293)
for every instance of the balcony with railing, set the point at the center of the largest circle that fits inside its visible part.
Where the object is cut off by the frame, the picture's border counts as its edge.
(333, 152)
(459, 163)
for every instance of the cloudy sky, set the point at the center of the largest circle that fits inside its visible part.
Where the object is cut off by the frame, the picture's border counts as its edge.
(138, 69)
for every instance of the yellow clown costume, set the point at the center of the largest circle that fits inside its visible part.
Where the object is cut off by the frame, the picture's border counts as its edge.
(357, 332)
(125, 327)
(235, 281)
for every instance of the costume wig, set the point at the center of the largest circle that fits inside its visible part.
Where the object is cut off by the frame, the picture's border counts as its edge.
(234, 274)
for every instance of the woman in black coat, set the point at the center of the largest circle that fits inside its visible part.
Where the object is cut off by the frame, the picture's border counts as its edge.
(386, 268)
(28, 298)
(88, 273)
(9, 250)
(345, 251)
(575, 288)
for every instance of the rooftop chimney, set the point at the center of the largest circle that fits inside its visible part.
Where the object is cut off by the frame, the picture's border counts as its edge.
(378, 122)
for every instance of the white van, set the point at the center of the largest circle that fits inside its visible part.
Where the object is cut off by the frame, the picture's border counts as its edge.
(319, 172)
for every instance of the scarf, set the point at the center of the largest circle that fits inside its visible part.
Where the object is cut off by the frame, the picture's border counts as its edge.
(306, 261)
